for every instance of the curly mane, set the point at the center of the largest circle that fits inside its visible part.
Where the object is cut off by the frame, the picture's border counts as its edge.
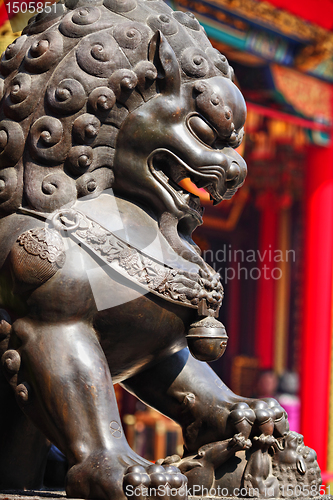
(70, 81)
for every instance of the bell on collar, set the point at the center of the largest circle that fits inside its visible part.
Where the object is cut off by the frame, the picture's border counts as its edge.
(207, 339)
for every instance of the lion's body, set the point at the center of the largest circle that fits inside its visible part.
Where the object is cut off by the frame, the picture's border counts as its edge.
(104, 286)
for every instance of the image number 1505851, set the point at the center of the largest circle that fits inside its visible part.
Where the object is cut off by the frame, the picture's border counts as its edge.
(33, 7)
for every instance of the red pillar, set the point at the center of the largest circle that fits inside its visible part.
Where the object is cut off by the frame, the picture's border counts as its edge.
(234, 315)
(266, 283)
(317, 327)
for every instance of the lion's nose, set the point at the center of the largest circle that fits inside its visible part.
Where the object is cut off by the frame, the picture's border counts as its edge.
(233, 172)
(234, 168)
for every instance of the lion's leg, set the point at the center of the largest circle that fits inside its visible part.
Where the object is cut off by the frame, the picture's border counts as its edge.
(64, 386)
(189, 392)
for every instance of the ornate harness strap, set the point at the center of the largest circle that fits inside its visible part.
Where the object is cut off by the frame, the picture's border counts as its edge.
(181, 287)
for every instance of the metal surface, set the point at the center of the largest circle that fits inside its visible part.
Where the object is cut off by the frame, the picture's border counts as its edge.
(106, 106)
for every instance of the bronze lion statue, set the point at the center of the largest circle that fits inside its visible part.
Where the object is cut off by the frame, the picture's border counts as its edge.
(106, 106)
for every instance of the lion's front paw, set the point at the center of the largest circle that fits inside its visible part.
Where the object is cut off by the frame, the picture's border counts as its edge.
(270, 413)
(264, 416)
(242, 418)
(104, 475)
(155, 481)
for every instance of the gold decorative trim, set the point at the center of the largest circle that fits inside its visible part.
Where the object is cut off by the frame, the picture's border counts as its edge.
(264, 12)
(318, 40)
(305, 93)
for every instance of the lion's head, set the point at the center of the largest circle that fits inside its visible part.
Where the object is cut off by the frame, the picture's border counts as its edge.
(117, 93)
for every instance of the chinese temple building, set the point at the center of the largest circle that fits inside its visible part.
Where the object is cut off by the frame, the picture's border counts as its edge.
(273, 242)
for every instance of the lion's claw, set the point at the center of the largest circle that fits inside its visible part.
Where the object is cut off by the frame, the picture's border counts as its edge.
(269, 409)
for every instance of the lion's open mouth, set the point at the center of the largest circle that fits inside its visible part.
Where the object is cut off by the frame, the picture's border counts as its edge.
(170, 170)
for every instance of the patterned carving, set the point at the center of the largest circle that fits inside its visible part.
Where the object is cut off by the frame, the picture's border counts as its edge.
(146, 73)
(86, 15)
(80, 158)
(166, 24)
(11, 143)
(45, 52)
(12, 56)
(127, 35)
(102, 101)
(37, 255)
(11, 360)
(22, 393)
(48, 141)
(99, 55)
(123, 80)
(74, 86)
(207, 323)
(44, 243)
(86, 128)
(115, 429)
(99, 179)
(195, 62)
(8, 183)
(10, 187)
(187, 19)
(120, 6)
(67, 97)
(19, 101)
(47, 189)
(220, 61)
(43, 21)
(82, 22)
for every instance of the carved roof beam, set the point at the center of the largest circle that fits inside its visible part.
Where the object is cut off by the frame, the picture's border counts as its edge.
(304, 45)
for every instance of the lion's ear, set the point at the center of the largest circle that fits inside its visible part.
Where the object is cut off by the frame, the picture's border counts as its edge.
(164, 59)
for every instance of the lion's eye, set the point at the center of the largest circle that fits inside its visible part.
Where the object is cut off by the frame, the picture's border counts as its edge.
(202, 130)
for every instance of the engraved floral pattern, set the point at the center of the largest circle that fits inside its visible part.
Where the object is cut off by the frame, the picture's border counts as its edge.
(44, 243)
